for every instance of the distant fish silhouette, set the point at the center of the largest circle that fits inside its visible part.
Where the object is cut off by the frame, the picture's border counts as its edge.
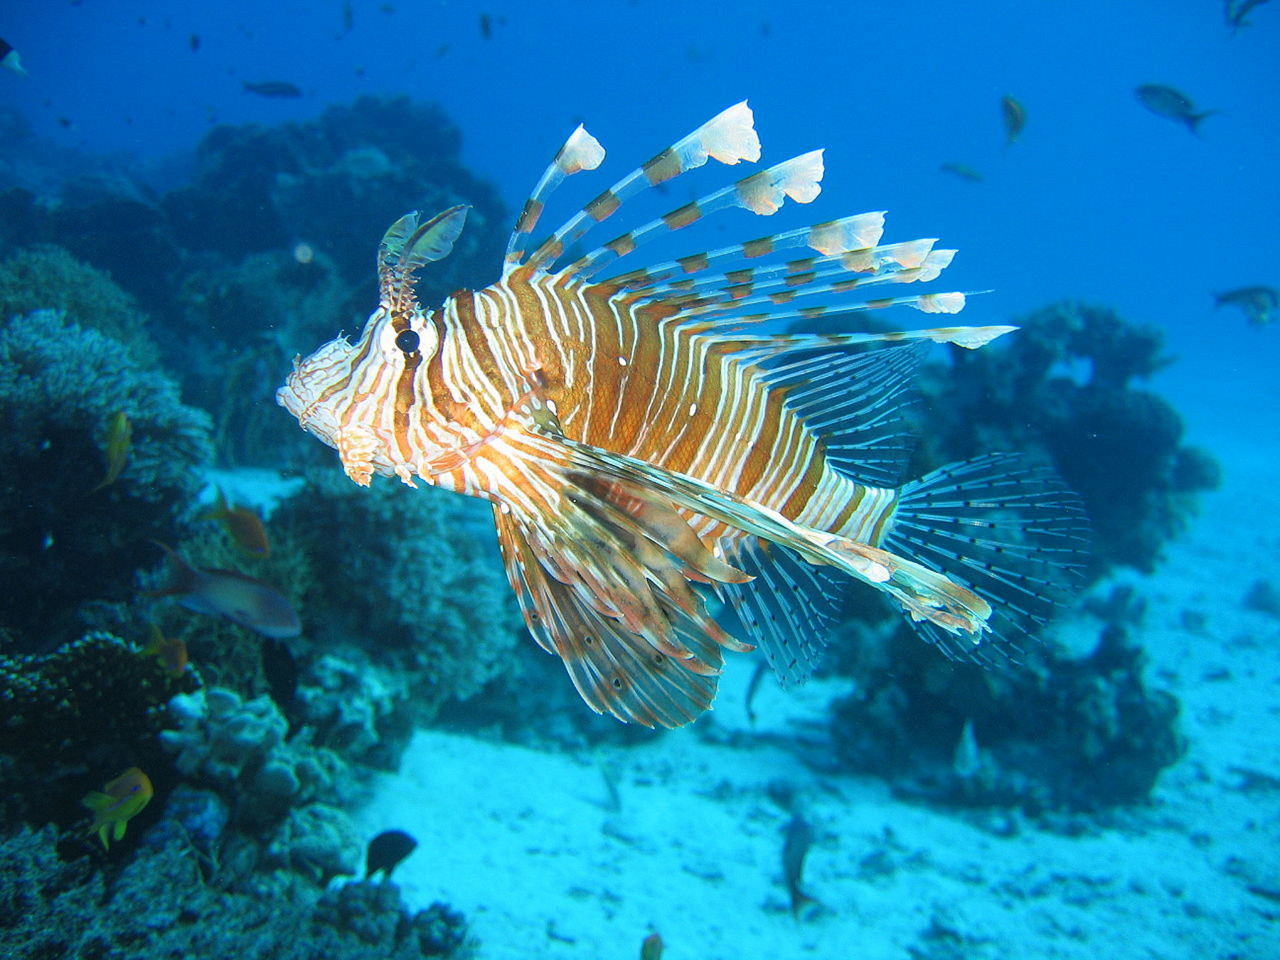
(386, 850)
(1015, 118)
(962, 171)
(277, 89)
(651, 949)
(795, 847)
(1236, 10)
(1256, 302)
(228, 593)
(9, 58)
(1167, 102)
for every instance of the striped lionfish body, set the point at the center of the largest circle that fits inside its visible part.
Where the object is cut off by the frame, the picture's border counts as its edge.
(651, 445)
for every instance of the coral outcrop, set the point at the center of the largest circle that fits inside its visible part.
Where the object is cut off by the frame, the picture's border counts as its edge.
(421, 588)
(64, 543)
(157, 906)
(1061, 389)
(1060, 735)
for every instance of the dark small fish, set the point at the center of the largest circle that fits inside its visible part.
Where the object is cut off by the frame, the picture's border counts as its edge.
(962, 171)
(348, 17)
(1256, 302)
(486, 26)
(651, 949)
(1015, 118)
(795, 847)
(194, 42)
(1237, 10)
(386, 850)
(9, 58)
(119, 441)
(228, 593)
(65, 122)
(278, 89)
(1167, 102)
(753, 688)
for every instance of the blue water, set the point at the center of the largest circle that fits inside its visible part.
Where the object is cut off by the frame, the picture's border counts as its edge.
(1098, 200)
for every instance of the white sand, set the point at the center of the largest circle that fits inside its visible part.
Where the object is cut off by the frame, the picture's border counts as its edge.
(524, 844)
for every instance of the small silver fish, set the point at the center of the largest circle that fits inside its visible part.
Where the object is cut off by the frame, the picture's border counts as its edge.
(1167, 102)
(1256, 302)
(227, 593)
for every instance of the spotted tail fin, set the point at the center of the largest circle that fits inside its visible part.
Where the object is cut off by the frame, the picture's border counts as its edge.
(1010, 531)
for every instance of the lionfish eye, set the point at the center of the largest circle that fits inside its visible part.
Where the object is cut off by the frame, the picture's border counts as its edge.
(407, 341)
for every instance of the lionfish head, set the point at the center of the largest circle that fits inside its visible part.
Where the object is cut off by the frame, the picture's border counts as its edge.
(345, 393)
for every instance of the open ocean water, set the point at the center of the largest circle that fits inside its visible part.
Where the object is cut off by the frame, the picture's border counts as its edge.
(197, 193)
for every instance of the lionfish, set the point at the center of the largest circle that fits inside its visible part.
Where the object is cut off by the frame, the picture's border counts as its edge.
(666, 470)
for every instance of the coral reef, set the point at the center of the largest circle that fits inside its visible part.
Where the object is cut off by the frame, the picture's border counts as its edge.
(358, 709)
(157, 906)
(421, 589)
(1062, 735)
(47, 277)
(1060, 389)
(94, 692)
(66, 543)
(239, 748)
(334, 183)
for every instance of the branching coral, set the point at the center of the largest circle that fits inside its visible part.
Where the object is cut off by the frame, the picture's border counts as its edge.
(63, 541)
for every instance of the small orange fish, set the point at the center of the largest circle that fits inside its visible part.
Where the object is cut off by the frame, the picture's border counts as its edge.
(228, 593)
(119, 802)
(118, 442)
(243, 525)
(651, 949)
(170, 651)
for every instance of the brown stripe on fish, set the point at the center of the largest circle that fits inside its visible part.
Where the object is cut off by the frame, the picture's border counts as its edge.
(603, 206)
(665, 166)
(681, 217)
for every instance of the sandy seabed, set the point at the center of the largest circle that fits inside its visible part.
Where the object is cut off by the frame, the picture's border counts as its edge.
(531, 848)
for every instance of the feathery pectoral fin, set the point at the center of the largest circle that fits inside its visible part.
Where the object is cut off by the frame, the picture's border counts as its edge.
(603, 575)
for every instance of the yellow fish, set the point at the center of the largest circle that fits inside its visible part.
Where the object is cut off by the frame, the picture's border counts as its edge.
(170, 651)
(119, 442)
(671, 476)
(119, 802)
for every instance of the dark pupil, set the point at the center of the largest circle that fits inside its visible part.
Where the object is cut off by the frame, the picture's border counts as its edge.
(407, 341)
